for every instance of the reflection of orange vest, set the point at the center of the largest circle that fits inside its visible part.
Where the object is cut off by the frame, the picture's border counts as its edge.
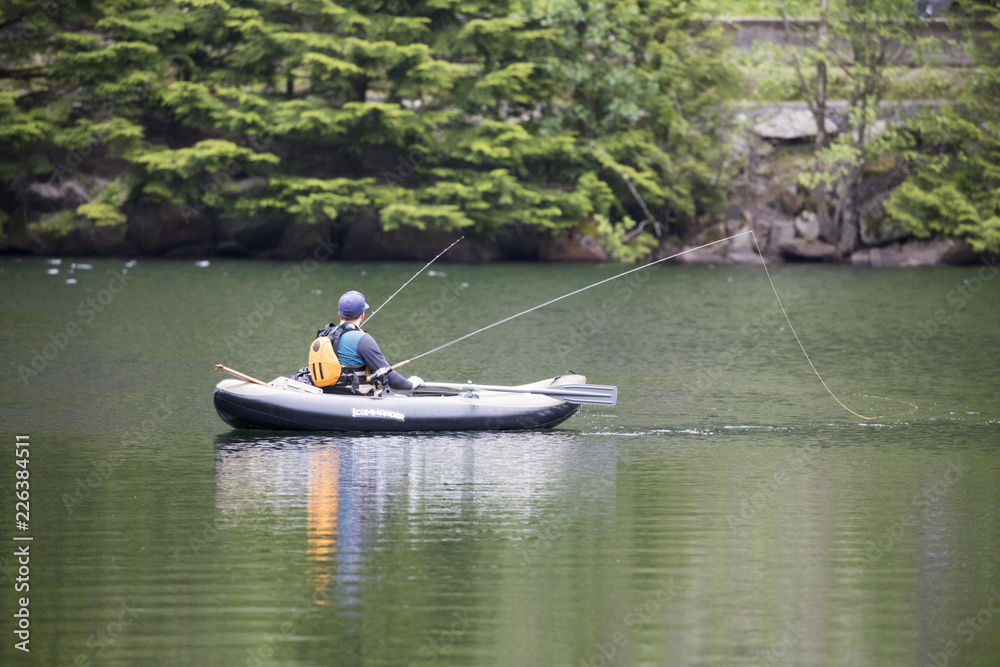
(324, 366)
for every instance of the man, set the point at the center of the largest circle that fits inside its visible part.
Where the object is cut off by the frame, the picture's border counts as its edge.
(356, 350)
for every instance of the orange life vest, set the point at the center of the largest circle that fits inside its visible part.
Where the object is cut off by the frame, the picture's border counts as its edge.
(324, 366)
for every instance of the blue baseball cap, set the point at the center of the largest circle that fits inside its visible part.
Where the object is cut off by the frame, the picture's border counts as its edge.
(352, 304)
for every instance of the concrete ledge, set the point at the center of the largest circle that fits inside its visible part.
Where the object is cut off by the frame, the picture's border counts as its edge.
(747, 31)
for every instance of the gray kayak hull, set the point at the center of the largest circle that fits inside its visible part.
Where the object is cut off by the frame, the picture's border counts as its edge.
(244, 404)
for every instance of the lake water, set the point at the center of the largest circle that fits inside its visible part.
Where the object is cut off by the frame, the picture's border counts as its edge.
(726, 512)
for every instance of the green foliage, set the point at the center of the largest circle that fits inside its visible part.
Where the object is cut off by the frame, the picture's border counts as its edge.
(621, 242)
(497, 201)
(21, 130)
(832, 164)
(170, 171)
(512, 83)
(190, 101)
(102, 214)
(451, 114)
(312, 200)
(104, 208)
(647, 83)
(84, 61)
(22, 135)
(953, 189)
(119, 136)
(854, 40)
(953, 156)
(447, 216)
(944, 211)
(58, 224)
(796, 8)
(598, 196)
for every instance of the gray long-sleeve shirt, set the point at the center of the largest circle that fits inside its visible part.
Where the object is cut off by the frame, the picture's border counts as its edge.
(369, 351)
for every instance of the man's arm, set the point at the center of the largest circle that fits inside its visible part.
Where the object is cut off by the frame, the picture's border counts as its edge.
(369, 350)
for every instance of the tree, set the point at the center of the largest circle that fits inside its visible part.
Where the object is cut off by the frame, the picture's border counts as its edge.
(643, 87)
(28, 115)
(495, 117)
(952, 155)
(859, 39)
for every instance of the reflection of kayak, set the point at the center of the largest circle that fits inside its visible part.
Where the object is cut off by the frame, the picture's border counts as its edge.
(279, 406)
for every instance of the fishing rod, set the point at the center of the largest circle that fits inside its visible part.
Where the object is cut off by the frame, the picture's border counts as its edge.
(369, 318)
(625, 273)
(382, 371)
(565, 296)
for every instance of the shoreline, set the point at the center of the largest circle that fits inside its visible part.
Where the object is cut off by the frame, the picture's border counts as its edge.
(909, 254)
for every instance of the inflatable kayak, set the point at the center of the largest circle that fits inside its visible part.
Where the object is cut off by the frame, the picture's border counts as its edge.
(286, 405)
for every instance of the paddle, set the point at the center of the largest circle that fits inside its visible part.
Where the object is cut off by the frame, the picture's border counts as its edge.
(241, 375)
(584, 394)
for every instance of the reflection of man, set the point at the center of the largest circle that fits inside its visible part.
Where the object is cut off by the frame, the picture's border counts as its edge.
(357, 351)
(322, 507)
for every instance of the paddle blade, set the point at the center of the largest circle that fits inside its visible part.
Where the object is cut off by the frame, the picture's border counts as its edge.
(584, 394)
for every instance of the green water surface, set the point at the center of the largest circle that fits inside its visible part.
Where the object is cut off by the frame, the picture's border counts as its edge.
(726, 512)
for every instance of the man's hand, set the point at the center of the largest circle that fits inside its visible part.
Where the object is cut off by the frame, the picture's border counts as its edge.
(415, 381)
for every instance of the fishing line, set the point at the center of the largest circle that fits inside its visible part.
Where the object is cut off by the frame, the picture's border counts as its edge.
(625, 273)
(369, 318)
(893, 400)
(564, 296)
(801, 347)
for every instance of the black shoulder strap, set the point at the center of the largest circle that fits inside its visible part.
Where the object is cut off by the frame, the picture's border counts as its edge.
(331, 329)
(327, 330)
(338, 331)
(335, 336)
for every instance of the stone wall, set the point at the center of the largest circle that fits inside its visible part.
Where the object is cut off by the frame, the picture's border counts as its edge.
(747, 32)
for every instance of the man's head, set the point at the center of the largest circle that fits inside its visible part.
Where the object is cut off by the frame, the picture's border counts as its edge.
(352, 305)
